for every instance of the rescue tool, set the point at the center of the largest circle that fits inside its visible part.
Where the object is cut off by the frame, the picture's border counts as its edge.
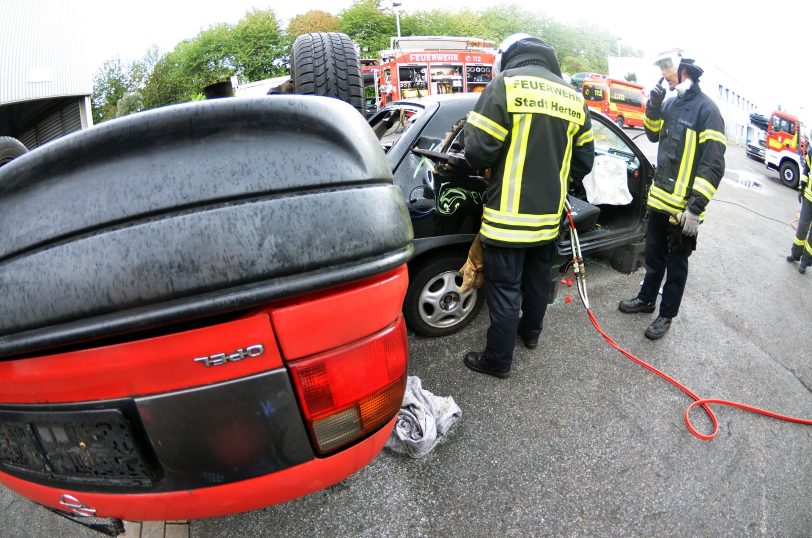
(577, 265)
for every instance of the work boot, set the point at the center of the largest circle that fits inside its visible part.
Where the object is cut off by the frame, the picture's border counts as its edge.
(792, 258)
(529, 343)
(476, 362)
(802, 267)
(635, 305)
(658, 328)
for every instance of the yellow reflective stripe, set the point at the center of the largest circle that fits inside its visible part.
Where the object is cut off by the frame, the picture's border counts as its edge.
(808, 248)
(704, 187)
(653, 125)
(808, 195)
(656, 204)
(488, 125)
(710, 134)
(517, 236)
(521, 219)
(514, 164)
(564, 175)
(667, 197)
(585, 138)
(799, 242)
(684, 175)
(675, 207)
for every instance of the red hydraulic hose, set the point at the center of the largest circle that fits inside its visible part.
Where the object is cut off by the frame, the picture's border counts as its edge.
(704, 403)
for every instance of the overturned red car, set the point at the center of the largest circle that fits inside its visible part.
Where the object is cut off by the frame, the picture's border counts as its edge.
(201, 309)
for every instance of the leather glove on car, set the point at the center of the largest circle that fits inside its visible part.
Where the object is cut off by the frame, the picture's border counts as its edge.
(690, 223)
(472, 270)
(656, 97)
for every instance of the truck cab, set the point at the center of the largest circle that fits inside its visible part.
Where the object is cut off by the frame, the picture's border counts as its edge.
(784, 147)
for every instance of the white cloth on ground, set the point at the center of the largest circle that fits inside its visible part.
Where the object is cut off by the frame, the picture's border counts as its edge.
(423, 421)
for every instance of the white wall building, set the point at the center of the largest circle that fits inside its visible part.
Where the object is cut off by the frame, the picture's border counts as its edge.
(734, 100)
(45, 77)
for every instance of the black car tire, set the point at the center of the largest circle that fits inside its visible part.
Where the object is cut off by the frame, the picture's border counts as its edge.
(439, 276)
(326, 63)
(619, 121)
(10, 149)
(789, 174)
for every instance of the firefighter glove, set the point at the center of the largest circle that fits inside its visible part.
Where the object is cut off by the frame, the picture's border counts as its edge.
(690, 223)
(656, 96)
(472, 271)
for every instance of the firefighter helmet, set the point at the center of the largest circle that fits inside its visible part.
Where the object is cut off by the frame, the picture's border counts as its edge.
(675, 59)
(504, 46)
(689, 63)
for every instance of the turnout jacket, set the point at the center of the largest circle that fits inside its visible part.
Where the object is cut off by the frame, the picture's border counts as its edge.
(534, 131)
(806, 185)
(691, 156)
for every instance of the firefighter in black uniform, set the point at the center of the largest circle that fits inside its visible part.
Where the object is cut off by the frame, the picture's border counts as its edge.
(802, 246)
(690, 165)
(533, 130)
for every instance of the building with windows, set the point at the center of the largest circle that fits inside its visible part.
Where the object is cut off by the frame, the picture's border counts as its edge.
(734, 100)
(45, 77)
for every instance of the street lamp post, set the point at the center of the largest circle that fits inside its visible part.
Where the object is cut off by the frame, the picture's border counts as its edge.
(396, 5)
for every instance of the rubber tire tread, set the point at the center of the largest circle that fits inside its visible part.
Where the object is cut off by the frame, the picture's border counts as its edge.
(794, 183)
(10, 149)
(326, 64)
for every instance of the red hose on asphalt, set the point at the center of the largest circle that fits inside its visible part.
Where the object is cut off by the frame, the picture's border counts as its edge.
(577, 261)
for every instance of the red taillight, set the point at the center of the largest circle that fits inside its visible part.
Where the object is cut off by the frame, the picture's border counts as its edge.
(348, 393)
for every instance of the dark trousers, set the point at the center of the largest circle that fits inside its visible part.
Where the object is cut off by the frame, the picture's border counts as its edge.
(803, 236)
(515, 276)
(662, 258)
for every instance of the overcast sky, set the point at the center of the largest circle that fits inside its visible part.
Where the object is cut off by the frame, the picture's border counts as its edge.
(756, 45)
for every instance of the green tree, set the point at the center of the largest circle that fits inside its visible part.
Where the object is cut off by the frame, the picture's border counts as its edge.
(312, 21)
(110, 84)
(129, 103)
(253, 49)
(259, 46)
(115, 79)
(368, 25)
(463, 23)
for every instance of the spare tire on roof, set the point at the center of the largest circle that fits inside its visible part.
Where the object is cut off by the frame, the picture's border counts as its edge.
(191, 211)
(10, 149)
(327, 64)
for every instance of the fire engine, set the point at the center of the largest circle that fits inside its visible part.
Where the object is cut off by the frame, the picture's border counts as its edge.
(418, 66)
(622, 101)
(784, 146)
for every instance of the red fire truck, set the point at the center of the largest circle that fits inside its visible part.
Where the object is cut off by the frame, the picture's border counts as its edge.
(622, 101)
(785, 145)
(430, 65)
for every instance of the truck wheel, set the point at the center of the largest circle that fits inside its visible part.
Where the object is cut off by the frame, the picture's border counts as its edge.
(433, 304)
(619, 121)
(10, 149)
(326, 63)
(789, 174)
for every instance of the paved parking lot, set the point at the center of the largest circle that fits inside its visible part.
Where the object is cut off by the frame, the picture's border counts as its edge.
(580, 441)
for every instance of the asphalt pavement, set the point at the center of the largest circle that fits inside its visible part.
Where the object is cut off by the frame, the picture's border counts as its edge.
(582, 442)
